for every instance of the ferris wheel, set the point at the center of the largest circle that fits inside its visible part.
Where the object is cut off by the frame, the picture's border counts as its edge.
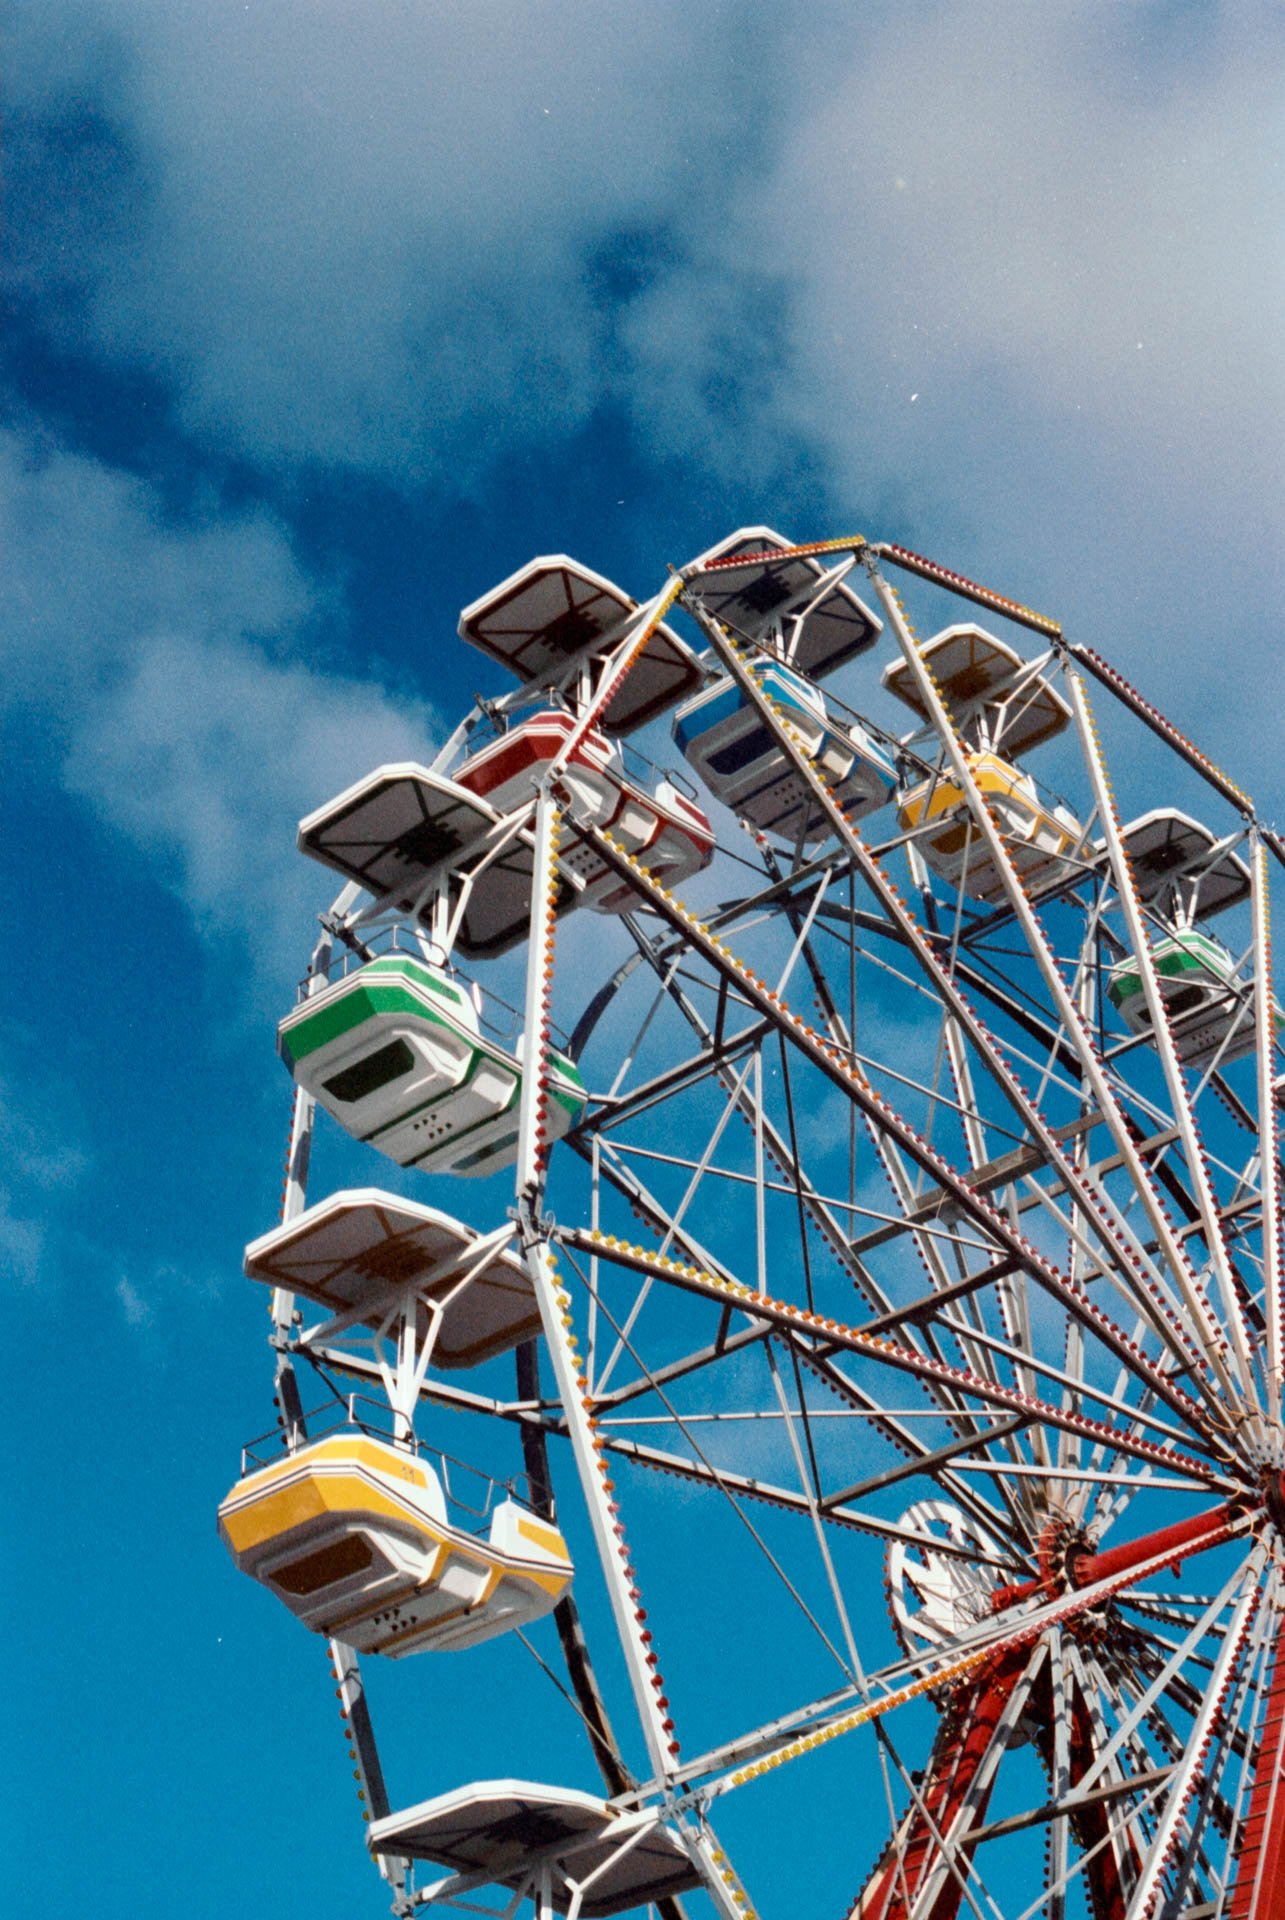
(869, 1295)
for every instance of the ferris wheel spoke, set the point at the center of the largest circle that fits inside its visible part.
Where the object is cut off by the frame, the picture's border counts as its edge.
(905, 926)
(1162, 1032)
(728, 1486)
(834, 1513)
(1194, 1227)
(1187, 1772)
(782, 1151)
(1098, 1866)
(1111, 678)
(1112, 1818)
(1269, 1137)
(1180, 1267)
(1078, 1425)
(1070, 1725)
(931, 1312)
(886, 1118)
(672, 1370)
(1258, 1885)
(1146, 1700)
(1184, 1696)
(832, 1334)
(1108, 1840)
(831, 1508)
(892, 1318)
(1138, 1416)
(910, 933)
(920, 1457)
(927, 1867)
(809, 1481)
(1168, 1320)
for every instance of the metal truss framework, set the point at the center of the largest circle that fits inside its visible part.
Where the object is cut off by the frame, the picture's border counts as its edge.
(883, 1240)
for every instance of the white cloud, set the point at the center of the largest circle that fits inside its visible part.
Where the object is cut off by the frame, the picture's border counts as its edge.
(396, 238)
(1022, 195)
(92, 565)
(35, 1147)
(376, 236)
(147, 655)
(137, 1310)
(1062, 231)
(43, 1163)
(205, 754)
(22, 1241)
(353, 229)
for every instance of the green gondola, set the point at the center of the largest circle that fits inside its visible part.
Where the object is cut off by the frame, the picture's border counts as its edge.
(1210, 1010)
(395, 1052)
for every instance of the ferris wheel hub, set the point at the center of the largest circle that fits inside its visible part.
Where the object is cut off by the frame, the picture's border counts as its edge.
(936, 1592)
(1062, 1548)
(1273, 1485)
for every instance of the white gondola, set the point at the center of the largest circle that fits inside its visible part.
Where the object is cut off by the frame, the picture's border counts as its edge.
(414, 839)
(505, 1829)
(1041, 837)
(359, 1252)
(554, 622)
(994, 697)
(792, 605)
(1210, 1009)
(398, 831)
(1181, 869)
(394, 1051)
(663, 829)
(725, 740)
(354, 1537)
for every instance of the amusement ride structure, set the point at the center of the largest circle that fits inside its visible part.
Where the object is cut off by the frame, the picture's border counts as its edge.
(875, 1199)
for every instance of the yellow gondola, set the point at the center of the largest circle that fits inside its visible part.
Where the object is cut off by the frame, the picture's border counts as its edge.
(353, 1535)
(1040, 837)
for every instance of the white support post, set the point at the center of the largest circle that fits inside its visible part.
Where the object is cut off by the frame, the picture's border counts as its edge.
(294, 1191)
(407, 1376)
(1060, 1781)
(344, 1665)
(554, 1301)
(371, 1791)
(716, 1870)
(1188, 1772)
(400, 1323)
(618, 667)
(1268, 1126)
(293, 1200)
(1204, 1326)
(1161, 1033)
(532, 1135)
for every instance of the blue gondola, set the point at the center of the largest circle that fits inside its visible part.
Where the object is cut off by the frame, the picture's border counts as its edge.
(739, 758)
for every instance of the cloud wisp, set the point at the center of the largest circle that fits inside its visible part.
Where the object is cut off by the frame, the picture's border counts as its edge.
(349, 237)
(149, 669)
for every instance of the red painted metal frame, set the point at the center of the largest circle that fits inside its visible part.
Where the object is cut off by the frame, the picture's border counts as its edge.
(1259, 1892)
(967, 1729)
(941, 1815)
(1083, 1568)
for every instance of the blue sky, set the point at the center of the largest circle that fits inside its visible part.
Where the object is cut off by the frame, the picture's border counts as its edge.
(321, 319)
